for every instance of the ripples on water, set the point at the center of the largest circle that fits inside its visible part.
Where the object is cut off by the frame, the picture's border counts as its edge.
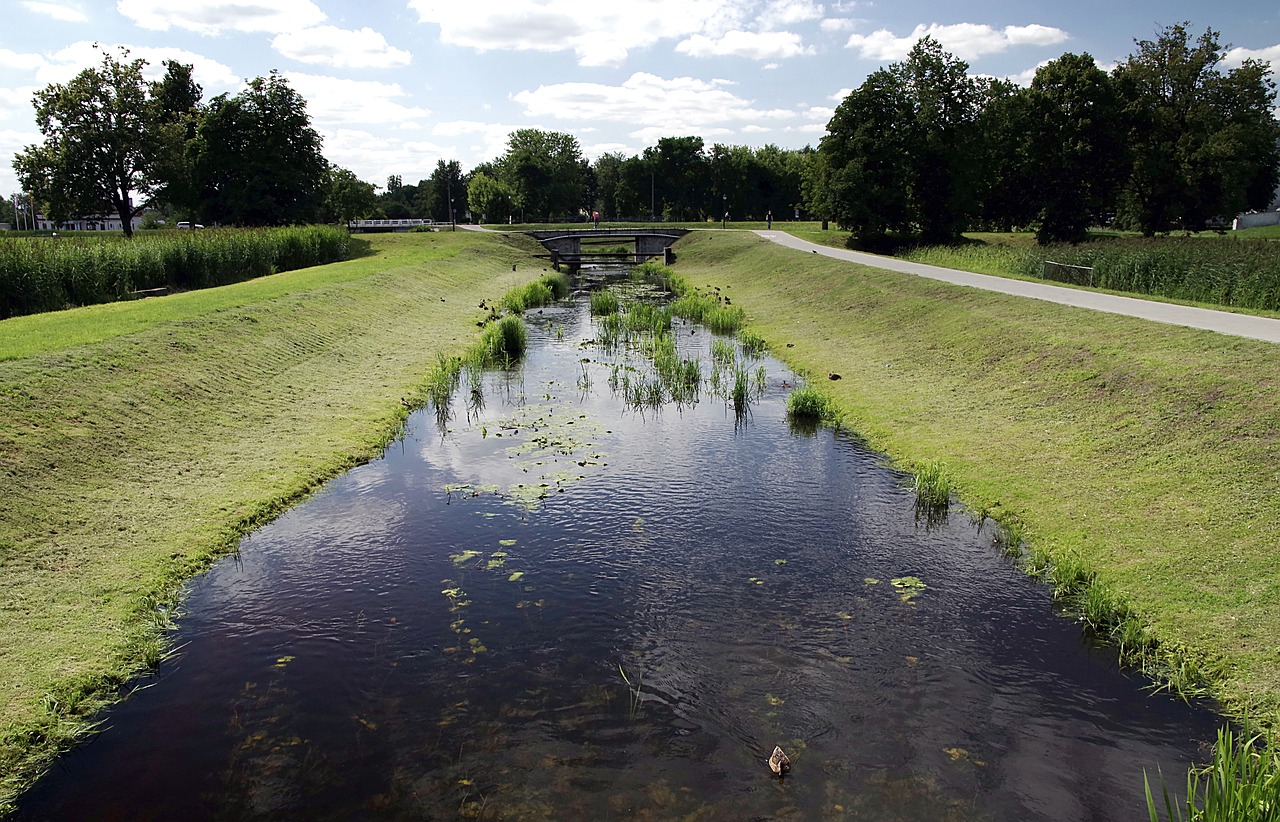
(740, 576)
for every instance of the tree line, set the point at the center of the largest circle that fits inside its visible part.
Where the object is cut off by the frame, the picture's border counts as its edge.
(1167, 140)
(118, 144)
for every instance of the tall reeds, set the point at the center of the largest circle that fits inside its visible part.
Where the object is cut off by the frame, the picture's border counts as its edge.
(51, 273)
(1221, 271)
(1241, 784)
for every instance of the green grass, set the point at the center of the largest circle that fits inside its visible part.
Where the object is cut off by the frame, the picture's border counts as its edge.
(1136, 457)
(139, 445)
(932, 484)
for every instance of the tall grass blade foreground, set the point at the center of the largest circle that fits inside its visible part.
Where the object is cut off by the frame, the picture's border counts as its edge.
(1241, 784)
(933, 485)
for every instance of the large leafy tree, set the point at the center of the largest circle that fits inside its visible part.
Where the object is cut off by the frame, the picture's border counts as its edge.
(347, 197)
(1075, 146)
(446, 196)
(546, 171)
(1203, 142)
(258, 158)
(490, 199)
(102, 144)
(682, 176)
(176, 100)
(864, 177)
(900, 150)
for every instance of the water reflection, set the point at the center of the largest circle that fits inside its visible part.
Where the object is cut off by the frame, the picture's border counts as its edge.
(551, 603)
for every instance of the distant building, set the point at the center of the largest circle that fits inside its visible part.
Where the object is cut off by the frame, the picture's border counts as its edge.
(91, 222)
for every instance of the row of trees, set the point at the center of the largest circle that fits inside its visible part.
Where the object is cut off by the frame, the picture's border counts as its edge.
(115, 143)
(1165, 141)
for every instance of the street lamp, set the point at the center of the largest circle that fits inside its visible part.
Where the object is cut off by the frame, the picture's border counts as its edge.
(724, 221)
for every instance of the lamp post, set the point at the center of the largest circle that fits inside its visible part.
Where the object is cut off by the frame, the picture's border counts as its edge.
(724, 221)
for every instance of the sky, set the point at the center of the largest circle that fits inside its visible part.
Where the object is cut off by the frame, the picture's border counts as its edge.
(393, 86)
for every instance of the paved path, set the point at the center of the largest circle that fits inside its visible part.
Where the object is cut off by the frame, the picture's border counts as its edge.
(1224, 322)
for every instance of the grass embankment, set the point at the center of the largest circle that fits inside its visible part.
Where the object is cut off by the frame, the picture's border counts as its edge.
(1146, 458)
(138, 441)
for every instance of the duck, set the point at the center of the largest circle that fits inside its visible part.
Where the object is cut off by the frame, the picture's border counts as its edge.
(778, 762)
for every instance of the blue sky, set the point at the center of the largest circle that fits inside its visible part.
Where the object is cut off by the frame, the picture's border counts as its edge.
(395, 85)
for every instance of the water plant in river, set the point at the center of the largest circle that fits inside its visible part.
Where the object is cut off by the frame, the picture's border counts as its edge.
(1241, 784)
(504, 340)
(753, 345)
(932, 484)
(633, 691)
(808, 403)
(604, 302)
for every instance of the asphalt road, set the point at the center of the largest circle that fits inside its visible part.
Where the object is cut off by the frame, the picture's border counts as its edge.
(1223, 322)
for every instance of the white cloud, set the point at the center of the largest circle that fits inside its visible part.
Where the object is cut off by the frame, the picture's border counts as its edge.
(780, 13)
(217, 16)
(967, 41)
(769, 45)
(841, 94)
(375, 156)
(66, 14)
(66, 63)
(342, 48)
(334, 102)
(755, 130)
(839, 24)
(650, 135)
(600, 34)
(807, 128)
(1236, 57)
(681, 105)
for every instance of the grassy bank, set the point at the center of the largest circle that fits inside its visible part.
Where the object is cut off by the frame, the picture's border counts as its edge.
(138, 441)
(1145, 458)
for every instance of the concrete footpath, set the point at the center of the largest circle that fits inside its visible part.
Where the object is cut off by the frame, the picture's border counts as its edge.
(1223, 322)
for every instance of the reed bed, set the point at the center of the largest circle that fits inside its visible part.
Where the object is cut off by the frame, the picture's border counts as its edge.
(53, 273)
(1239, 273)
(810, 404)
(603, 302)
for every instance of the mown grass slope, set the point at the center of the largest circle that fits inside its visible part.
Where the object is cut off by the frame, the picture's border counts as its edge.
(1149, 453)
(138, 441)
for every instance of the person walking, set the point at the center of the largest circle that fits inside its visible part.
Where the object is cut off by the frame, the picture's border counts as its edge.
(595, 218)
(768, 217)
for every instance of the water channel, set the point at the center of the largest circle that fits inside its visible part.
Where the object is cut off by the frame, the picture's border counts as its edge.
(554, 605)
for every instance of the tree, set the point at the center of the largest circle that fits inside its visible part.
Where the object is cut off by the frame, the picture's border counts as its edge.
(447, 197)
(177, 109)
(347, 197)
(865, 176)
(1203, 143)
(1075, 146)
(101, 147)
(901, 149)
(682, 179)
(546, 171)
(607, 170)
(1008, 197)
(258, 158)
(491, 199)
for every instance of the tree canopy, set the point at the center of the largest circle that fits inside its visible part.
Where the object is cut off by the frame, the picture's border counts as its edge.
(103, 142)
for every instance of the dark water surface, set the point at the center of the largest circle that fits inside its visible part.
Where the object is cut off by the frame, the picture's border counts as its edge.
(628, 642)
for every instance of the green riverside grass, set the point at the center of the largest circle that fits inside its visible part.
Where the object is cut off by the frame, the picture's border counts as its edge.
(140, 440)
(1131, 465)
(808, 403)
(53, 273)
(604, 302)
(932, 484)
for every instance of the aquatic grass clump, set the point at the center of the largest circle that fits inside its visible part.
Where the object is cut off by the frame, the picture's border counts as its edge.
(504, 340)
(932, 485)
(603, 302)
(753, 345)
(1241, 784)
(808, 403)
(722, 355)
(711, 311)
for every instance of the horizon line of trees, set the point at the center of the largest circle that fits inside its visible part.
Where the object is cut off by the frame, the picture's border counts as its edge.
(1166, 141)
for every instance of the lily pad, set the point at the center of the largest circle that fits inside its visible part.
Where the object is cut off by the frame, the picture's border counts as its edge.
(464, 556)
